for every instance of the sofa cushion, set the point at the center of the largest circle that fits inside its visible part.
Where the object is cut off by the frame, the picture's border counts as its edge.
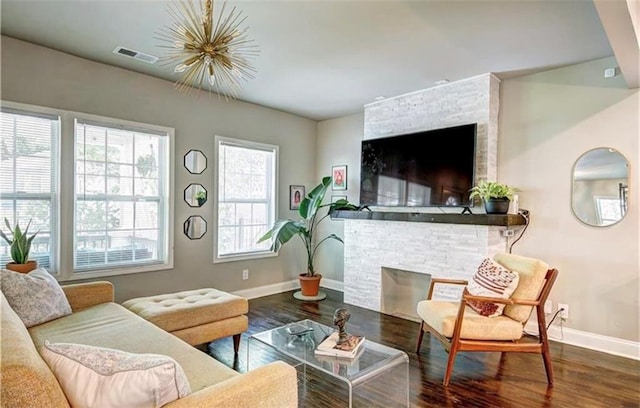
(107, 378)
(491, 280)
(112, 326)
(35, 297)
(27, 381)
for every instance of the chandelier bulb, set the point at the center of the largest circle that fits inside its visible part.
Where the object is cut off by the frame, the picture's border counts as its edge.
(207, 59)
(236, 73)
(178, 44)
(212, 79)
(180, 68)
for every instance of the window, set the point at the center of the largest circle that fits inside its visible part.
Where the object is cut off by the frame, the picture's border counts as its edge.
(121, 196)
(609, 210)
(245, 195)
(28, 180)
(98, 190)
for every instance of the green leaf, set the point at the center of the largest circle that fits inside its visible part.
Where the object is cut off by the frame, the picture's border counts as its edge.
(281, 233)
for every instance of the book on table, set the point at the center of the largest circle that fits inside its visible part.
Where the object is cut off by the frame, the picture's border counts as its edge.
(330, 346)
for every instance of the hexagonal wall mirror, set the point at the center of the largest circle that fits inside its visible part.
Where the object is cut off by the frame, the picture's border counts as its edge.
(195, 227)
(195, 195)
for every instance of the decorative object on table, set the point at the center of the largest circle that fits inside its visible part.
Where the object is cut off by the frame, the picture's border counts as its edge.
(20, 246)
(207, 50)
(340, 343)
(297, 329)
(496, 196)
(339, 175)
(296, 194)
(195, 161)
(283, 230)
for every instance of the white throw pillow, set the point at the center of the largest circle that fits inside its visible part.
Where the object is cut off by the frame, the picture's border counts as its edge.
(36, 297)
(101, 377)
(492, 280)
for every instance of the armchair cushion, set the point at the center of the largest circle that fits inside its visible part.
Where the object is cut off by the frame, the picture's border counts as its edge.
(532, 274)
(491, 280)
(441, 316)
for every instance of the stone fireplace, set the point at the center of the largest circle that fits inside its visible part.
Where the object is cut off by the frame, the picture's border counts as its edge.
(388, 264)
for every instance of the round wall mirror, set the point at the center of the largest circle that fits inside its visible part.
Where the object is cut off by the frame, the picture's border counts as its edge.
(195, 161)
(195, 195)
(195, 227)
(600, 187)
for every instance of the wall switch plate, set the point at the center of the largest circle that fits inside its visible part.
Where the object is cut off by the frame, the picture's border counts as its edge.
(609, 72)
(245, 274)
(548, 307)
(565, 312)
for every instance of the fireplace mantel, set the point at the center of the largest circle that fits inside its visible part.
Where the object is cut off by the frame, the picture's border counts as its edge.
(507, 220)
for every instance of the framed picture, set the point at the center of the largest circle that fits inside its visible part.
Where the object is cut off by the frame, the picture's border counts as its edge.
(296, 194)
(339, 177)
(335, 198)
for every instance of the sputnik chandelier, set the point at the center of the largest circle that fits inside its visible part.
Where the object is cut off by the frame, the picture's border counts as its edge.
(207, 54)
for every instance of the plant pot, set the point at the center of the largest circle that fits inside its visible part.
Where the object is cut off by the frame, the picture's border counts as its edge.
(22, 268)
(497, 205)
(309, 285)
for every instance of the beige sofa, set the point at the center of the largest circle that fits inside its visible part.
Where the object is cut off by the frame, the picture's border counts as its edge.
(27, 381)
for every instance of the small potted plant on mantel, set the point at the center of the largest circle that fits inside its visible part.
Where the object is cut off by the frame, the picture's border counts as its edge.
(496, 196)
(284, 230)
(20, 246)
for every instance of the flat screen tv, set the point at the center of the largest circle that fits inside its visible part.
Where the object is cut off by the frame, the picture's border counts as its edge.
(423, 169)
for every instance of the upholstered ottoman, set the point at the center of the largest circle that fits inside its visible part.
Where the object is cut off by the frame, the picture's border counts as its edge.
(196, 316)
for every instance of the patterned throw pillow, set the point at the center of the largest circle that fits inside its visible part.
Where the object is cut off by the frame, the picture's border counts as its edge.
(105, 378)
(491, 280)
(35, 297)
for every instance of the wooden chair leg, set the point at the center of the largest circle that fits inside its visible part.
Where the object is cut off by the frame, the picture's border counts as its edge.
(452, 358)
(236, 343)
(420, 335)
(546, 356)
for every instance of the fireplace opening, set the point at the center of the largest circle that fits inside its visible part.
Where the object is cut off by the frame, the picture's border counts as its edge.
(401, 292)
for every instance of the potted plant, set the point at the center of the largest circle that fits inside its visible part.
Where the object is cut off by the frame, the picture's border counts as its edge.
(496, 196)
(20, 246)
(284, 230)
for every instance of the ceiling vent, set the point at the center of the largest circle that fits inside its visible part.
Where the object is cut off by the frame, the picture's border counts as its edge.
(140, 56)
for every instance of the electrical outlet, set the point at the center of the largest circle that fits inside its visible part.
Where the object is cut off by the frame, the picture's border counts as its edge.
(548, 307)
(565, 311)
(508, 233)
(245, 274)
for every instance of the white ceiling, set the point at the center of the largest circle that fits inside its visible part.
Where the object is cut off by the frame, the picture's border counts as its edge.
(325, 59)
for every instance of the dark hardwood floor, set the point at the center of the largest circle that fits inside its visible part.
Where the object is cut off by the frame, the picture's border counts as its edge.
(583, 378)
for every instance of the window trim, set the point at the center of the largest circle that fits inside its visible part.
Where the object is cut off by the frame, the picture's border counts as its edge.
(65, 207)
(216, 170)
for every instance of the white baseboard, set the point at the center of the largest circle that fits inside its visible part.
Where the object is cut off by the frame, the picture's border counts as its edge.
(593, 341)
(276, 288)
(267, 290)
(332, 284)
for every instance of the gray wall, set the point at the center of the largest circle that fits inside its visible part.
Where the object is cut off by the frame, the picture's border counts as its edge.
(40, 76)
(547, 121)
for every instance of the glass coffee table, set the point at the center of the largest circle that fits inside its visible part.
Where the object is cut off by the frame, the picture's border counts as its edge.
(377, 377)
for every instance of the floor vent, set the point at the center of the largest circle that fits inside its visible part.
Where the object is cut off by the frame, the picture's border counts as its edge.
(140, 56)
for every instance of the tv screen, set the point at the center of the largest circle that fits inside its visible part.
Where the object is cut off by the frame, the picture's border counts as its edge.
(430, 168)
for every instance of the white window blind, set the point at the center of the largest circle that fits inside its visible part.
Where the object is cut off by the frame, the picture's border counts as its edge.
(246, 197)
(28, 180)
(121, 196)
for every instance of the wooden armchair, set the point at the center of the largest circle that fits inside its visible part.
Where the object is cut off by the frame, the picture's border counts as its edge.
(460, 328)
